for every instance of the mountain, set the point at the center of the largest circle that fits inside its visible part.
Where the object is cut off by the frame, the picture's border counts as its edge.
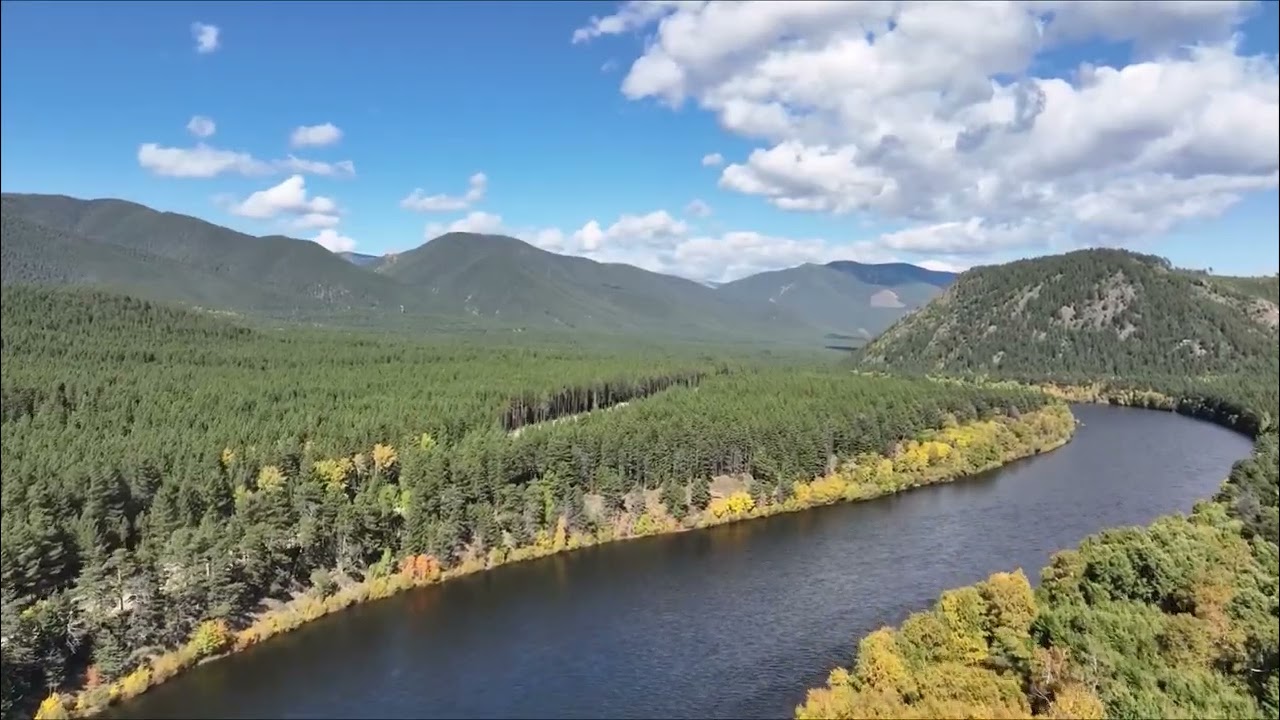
(123, 245)
(459, 280)
(360, 259)
(893, 274)
(844, 298)
(507, 280)
(1091, 312)
(477, 281)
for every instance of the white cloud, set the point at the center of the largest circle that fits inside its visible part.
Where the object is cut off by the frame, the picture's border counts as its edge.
(205, 161)
(943, 266)
(653, 228)
(479, 222)
(697, 208)
(334, 241)
(342, 168)
(945, 116)
(314, 220)
(723, 257)
(315, 135)
(201, 161)
(287, 198)
(419, 201)
(206, 37)
(712, 160)
(632, 15)
(201, 126)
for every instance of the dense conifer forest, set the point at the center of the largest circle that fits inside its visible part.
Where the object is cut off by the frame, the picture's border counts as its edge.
(169, 478)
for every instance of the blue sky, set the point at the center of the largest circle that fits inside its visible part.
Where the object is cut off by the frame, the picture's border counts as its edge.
(566, 133)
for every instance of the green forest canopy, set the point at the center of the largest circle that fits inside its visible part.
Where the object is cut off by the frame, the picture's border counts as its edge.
(163, 467)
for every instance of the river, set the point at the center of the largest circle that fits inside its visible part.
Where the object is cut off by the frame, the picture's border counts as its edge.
(735, 621)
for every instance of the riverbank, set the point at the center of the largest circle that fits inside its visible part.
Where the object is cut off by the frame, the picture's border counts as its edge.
(1120, 626)
(941, 455)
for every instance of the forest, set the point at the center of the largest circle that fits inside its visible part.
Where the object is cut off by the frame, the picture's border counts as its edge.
(1178, 619)
(1088, 315)
(176, 486)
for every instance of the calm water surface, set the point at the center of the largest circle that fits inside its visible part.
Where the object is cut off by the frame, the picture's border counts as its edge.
(735, 621)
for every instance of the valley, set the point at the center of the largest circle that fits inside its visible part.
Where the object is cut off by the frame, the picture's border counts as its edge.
(642, 359)
(180, 485)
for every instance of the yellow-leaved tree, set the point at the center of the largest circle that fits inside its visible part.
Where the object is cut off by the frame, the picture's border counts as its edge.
(384, 458)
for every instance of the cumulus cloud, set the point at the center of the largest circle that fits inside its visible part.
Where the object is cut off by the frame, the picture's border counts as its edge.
(315, 135)
(479, 222)
(334, 241)
(712, 160)
(656, 227)
(949, 117)
(342, 168)
(205, 161)
(697, 208)
(201, 161)
(288, 198)
(420, 201)
(630, 16)
(659, 243)
(206, 37)
(313, 220)
(201, 126)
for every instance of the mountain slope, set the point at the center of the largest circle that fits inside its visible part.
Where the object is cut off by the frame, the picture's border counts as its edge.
(893, 274)
(843, 297)
(35, 254)
(509, 281)
(478, 281)
(278, 274)
(1091, 312)
(361, 259)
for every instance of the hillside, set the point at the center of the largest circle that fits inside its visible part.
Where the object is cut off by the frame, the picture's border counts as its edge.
(458, 281)
(361, 259)
(1100, 313)
(506, 280)
(843, 297)
(168, 256)
(893, 274)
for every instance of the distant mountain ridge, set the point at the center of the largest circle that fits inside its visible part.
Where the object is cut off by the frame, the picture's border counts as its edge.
(894, 274)
(361, 259)
(484, 281)
(844, 297)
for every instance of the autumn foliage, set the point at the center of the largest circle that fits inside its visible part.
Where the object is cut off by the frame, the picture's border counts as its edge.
(1174, 620)
(420, 568)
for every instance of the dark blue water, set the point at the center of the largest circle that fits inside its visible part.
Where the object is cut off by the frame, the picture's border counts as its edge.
(735, 621)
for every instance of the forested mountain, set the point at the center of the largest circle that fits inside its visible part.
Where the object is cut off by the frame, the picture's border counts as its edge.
(275, 275)
(893, 274)
(501, 278)
(1090, 313)
(168, 475)
(843, 297)
(1179, 619)
(482, 281)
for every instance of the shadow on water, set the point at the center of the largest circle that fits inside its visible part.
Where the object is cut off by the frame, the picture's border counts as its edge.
(734, 621)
